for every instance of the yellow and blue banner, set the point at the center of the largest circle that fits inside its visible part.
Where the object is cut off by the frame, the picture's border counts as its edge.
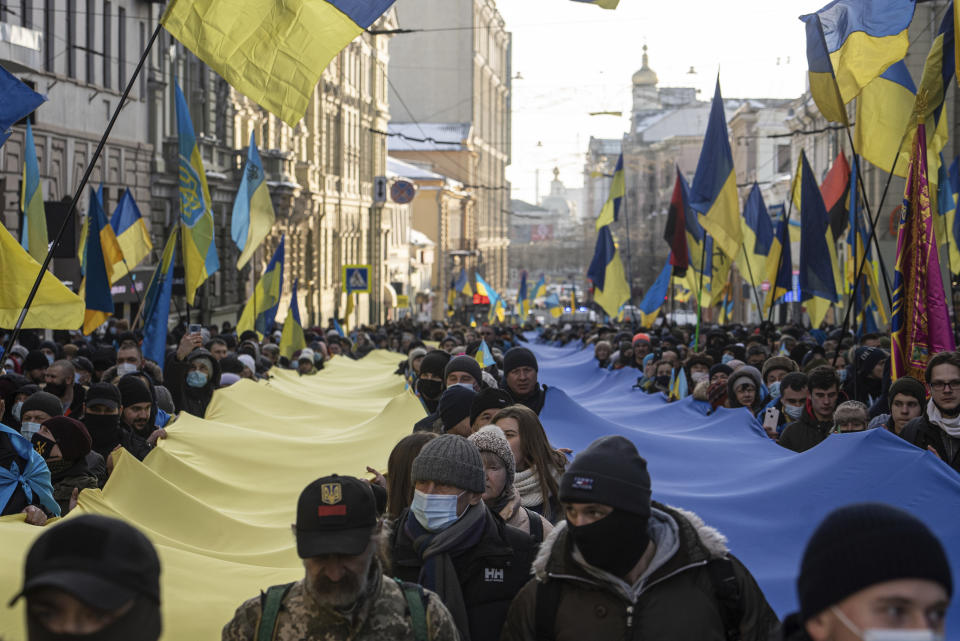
(293, 339)
(156, 303)
(757, 235)
(947, 218)
(253, 214)
(110, 246)
(553, 305)
(779, 266)
(611, 289)
(523, 300)
(714, 189)
(272, 53)
(97, 298)
(884, 109)
(653, 301)
(84, 230)
(260, 312)
(131, 232)
(818, 254)
(484, 355)
(462, 284)
(611, 208)
(539, 290)
(484, 289)
(867, 304)
(196, 217)
(849, 43)
(33, 227)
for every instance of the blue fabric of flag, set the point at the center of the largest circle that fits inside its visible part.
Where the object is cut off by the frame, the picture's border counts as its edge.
(602, 255)
(362, 12)
(17, 101)
(157, 305)
(758, 219)
(653, 300)
(816, 271)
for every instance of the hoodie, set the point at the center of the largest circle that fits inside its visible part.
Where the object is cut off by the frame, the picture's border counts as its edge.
(190, 399)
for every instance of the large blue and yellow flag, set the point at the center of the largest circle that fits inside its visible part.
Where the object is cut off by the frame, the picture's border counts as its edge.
(109, 245)
(196, 218)
(292, 338)
(462, 284)
(523, 300)
(818, 254)
(611, 289)
(253, 215)
(884, 108)
(33, 227)
(539, 290)
(156, 303)
(131, 232)
(260, 312)
(653, 300)
(849, 43)
(84, 230)
(553, 305)
(611, 208)
(96, 284)
(484, 289)
(714, 189)
(757, 236)
(273, 53)
(779, 265)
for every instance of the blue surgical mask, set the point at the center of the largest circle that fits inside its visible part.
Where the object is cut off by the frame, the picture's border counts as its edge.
(435, 512)
(468, 386)
(726, 358)
(196, 378)
(126, 368)
(15, 410)
(774, 390)
(885, 634)
(793, 411)
(29, 429)
(49, 358)
(842, 375)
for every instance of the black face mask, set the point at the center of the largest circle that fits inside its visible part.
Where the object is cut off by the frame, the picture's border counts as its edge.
(662, 381)
(57, 389)
(42, 445)
(141, 623)
(104, 431)
(429, 389)
(615, 543)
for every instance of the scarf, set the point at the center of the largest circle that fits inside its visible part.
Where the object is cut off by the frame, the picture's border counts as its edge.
(507, 504)
(949, 425)
(436, 551)
(35, 479)
(527, 484)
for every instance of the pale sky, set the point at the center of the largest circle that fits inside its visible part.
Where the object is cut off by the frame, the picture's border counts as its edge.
(576, 58)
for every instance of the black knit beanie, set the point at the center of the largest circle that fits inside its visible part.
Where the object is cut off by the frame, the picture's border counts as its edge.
(43, 401)
(609, 472)
(909, 386)
(462, 364)
(489, 399)
(864, 544)
(434, 363)
(455, 405)
(721, 368)
(519, 357)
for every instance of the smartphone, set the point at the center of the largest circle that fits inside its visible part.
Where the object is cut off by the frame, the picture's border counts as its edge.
(770, 418)
(195, 328)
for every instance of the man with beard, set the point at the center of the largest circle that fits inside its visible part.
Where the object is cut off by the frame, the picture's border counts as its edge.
(344, 593)
(59, 379)
(92, 577)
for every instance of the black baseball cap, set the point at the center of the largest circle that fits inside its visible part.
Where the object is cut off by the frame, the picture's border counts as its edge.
(335, 515)
(102, 561)
(103, 394)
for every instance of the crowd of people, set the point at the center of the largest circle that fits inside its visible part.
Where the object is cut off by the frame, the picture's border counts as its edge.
(480, 528)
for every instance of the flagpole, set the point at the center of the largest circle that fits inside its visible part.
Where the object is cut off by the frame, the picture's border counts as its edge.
(626, 223)
(756, 295)
(76, 196)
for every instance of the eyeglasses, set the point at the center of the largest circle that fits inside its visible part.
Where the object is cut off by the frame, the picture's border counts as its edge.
(942, 385)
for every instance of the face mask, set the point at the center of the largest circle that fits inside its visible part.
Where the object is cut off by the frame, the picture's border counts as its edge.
(196, 378)
(49, 358)
(842, 375)
(29, 429)
(663, 381)
(15, 410)
(468, 386)
(76, 379)
(793, 411)
(883, 634)
(726, 358)
(429, 389)
(699, 377)
(126, 368)
(615, 543)
(42, 445)
(774, 390)
(435, 512)
(104, 430)
(57, 389)
(140, 623)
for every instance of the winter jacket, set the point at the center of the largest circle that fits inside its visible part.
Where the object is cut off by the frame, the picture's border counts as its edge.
(806, 432)
(490, 573)
(515, 515)
(793, 629)
(189, 399)
(534, 400)
(922, 433)
(676, 599)
(77, 477)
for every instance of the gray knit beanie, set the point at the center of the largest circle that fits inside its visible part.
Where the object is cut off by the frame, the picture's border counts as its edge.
(451, 460)
(491, 439)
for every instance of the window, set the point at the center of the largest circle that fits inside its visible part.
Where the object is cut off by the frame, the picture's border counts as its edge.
(72, 38)
(122, 46)
(783, 159)
(91, 29)
(26, 14)
(107, 36)
(49, 36)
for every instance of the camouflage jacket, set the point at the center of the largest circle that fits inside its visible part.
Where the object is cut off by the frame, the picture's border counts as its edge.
(382, 616)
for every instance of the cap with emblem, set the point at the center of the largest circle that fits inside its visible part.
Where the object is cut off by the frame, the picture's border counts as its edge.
(609, 472)
(335, 515)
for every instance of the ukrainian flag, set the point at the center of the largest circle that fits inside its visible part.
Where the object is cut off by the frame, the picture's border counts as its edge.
(611, 289)
(33, 231)
(84, 229)
(462, 285)
(293, 338)
(109, 245)
(553, 305)
(523, 302)
(849, 43)
(947, 210)
(271, 52)
(131, 232)
(539, 290)
(757, 235)
(818, 255)
(884, 109)
(484, 355)
(867, 302)
(196, 218)
(156, 304)
(260, 312)
(715, 184)
(96, 284)
(484, 289)
(779, 266)
(253, 215)
(653, 301)
(611, 208)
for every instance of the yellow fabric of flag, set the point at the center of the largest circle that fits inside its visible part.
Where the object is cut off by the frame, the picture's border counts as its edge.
(54, 306)
(222, 533)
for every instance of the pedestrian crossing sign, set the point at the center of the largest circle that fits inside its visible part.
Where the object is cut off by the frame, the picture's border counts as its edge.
(356, 278)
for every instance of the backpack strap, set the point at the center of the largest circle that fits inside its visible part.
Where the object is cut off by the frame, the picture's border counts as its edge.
(270, 603)
(417, 606)
(545, 612)
(536, 526)
(726, 589)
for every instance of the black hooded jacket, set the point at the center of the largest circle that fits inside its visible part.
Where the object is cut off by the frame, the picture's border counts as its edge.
(189, 399)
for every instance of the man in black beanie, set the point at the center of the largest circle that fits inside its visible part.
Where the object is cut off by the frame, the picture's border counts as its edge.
(655, 572)
(462, 370)
(871, 571)
(454, 410)
(520, 370)
(429, 386)
(485, 406)
(906, 398)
